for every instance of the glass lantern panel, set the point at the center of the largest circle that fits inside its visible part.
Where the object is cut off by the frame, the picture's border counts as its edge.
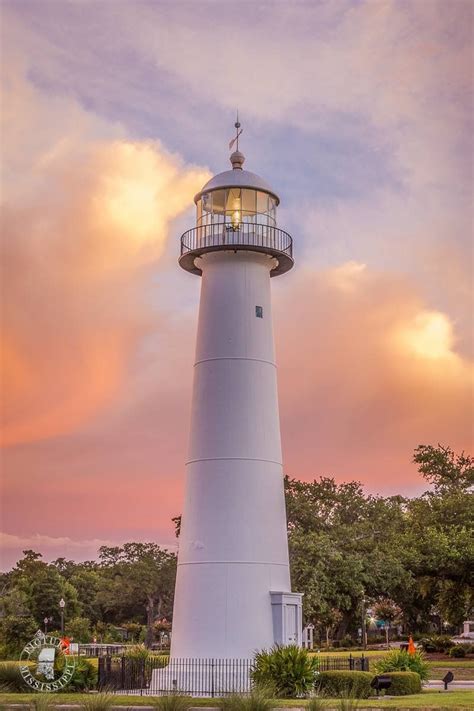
(218, 201)
(206, 200)
(249, 203)
(236, 205)
(234, 200)
(262, 202)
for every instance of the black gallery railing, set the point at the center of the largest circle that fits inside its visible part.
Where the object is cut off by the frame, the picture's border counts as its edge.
(248, 234)
(159, 676)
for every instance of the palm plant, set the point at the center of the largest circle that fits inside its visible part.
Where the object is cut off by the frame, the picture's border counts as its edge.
(400, 660)
(289, 670)
(10, 677)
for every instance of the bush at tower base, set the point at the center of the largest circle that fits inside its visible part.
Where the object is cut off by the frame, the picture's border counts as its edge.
(288, 670)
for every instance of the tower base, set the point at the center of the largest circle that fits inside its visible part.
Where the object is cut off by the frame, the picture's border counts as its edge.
(202, 677)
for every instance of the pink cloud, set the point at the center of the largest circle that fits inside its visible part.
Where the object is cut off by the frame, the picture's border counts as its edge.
(367, 372)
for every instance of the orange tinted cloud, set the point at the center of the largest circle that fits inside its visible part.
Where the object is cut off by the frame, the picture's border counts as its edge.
(367, 372)
(78, 235)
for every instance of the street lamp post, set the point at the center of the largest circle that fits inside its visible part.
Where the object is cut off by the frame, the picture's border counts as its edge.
(62, 605)
(364, 625)
(45, 624)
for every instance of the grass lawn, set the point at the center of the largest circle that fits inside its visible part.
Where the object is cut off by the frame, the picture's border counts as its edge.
(427, 700)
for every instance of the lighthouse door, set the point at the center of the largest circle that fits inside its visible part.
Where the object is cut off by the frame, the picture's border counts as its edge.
(291, 627)
(287, 614)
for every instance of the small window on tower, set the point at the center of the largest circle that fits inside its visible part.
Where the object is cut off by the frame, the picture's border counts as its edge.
(259, 311)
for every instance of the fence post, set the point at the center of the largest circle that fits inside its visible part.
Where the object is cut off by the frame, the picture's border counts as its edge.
(101, 672)
(212, 679)
(122, 676)
(351, 662)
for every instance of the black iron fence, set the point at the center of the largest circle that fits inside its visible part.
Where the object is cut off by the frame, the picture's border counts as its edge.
(349, 663)
(102, 650)
(158, 676)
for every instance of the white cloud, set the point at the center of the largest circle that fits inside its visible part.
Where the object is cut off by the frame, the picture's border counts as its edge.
(40, 541)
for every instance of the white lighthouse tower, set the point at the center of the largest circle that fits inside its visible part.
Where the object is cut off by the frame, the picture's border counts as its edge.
(233, 593)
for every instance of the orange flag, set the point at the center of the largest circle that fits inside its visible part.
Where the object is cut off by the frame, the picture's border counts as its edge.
(411, 646)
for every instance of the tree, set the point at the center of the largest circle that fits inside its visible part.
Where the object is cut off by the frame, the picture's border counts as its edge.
(337, 551)
(448, 472)
(42, 587)
(177, 525)
(139, 575)
(16, 632)
(87, 583)
(79, 629)
(345, 546)
(387, 611)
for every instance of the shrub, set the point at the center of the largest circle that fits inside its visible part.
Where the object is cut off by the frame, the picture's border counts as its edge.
(289, 671)
(10, 677)
(138, 651)
(404, 683)
(399, 660)
(354, 684)
(458, 651)
(316, 703)
(159, 661)
(346, 642)
(84, 678)
(348, 704)
(15, 632)
(173, 702)
(98, 702)
(258, 700)
(42, 702)
(436, 643)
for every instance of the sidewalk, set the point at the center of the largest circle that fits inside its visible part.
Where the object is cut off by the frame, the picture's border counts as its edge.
(453, 686)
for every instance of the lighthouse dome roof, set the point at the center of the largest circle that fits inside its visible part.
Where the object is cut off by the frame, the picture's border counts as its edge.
(237, 178)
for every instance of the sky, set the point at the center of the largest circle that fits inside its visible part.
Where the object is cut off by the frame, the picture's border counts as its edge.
(114, 114)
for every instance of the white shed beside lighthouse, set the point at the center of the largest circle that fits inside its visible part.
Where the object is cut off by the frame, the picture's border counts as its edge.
(233, 592)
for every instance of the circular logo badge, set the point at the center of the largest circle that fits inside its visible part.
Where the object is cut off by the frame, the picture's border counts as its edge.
(46, 664)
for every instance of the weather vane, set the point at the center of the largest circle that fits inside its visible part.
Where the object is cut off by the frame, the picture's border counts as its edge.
(238, 131)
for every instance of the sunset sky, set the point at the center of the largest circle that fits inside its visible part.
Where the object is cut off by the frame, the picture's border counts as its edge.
(114, 114)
